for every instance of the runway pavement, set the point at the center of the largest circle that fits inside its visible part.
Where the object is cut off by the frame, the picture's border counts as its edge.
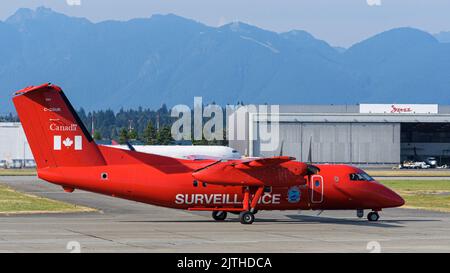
(125, 226)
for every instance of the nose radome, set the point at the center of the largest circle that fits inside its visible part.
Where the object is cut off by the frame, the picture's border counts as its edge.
(391, 199)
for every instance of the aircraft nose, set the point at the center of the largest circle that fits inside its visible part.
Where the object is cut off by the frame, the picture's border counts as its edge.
(390, 199)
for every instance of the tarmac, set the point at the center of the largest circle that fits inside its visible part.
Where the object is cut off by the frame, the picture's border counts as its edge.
(126, 226)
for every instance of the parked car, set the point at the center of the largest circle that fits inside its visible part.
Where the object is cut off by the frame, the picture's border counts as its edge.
(415, 165)
(29, 163)
(431, 161)
(2, 164)
(16, 164)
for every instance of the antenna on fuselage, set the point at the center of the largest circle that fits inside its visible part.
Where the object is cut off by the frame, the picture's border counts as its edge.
(130, 146)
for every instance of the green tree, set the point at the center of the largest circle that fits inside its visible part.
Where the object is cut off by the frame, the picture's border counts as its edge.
(150, 134)
(200, 142)
(203, 141)
(97, 135)
(133, 134)
(164, 136)
(123, 136)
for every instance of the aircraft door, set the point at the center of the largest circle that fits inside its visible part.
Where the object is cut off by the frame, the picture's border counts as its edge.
(316, 187)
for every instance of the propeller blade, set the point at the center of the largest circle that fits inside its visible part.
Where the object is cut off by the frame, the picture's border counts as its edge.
(310, 151)
(281, 148)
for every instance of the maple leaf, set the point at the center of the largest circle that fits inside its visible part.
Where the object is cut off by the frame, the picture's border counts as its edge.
(67, 142)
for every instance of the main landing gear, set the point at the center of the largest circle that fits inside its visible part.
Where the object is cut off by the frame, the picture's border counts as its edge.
(248, 211)
(246, 217)
(219, 215)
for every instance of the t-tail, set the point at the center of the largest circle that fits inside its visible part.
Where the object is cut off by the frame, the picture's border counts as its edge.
(55, 133)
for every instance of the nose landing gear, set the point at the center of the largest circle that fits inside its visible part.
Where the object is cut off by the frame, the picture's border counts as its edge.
(373, 216)
(360, 213)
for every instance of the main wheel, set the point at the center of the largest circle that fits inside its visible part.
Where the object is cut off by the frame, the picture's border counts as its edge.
(219, 215)
(373, 216)
(246, 217)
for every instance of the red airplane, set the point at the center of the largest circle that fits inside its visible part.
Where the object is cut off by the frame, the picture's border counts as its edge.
(67, 155)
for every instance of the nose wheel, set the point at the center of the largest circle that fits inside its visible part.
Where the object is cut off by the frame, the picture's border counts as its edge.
(373, 216)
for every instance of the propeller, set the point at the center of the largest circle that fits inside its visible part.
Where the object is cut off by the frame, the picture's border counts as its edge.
(310, 151)
(281, 148)
(311, 169)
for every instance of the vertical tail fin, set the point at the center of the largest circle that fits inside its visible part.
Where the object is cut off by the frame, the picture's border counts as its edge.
(55, 133)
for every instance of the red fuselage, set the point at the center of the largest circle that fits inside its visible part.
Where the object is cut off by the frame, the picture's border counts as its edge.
(170, 184)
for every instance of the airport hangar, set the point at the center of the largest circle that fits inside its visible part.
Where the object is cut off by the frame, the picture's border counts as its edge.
(364, 134)
(14, 149)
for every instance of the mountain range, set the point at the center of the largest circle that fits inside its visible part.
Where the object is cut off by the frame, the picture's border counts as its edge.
(170, 59)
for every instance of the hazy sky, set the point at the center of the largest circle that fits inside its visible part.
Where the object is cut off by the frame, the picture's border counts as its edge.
(339, 22)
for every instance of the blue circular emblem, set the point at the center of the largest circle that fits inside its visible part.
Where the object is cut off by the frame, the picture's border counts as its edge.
(294, 194)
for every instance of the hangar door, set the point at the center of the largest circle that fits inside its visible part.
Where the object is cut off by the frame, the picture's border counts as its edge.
(358, 143)
(375, 143)
(326, 142)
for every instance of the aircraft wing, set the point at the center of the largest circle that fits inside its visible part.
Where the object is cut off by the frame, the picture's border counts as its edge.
(263, 162)
(273, 171)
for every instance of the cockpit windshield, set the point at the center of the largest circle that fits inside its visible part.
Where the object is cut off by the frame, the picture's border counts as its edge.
(361, 176)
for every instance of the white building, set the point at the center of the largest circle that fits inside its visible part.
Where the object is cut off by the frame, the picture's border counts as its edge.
(14, 149)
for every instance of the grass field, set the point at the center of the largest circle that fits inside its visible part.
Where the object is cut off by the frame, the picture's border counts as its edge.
(17, 172)
(423, 194)
(409, 173)
(13, 202)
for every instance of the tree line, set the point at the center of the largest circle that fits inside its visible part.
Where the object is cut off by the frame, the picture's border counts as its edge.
(141, 125)
(146, 126)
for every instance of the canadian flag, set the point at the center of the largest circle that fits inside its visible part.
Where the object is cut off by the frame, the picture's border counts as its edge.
(58, 142)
